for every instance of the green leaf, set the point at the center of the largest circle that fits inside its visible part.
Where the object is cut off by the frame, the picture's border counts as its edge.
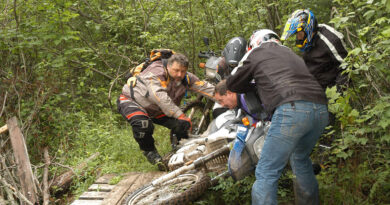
(386, 32)
(355, 51)
(384, 123)
(369, 14)
(363, 85)
(388, 5)
(385, 138)
(332, 94)
(354, 113)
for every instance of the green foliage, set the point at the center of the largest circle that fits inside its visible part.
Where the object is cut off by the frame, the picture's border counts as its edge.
(112, 138)
(238, 192)
(116, 180)
(229, 191)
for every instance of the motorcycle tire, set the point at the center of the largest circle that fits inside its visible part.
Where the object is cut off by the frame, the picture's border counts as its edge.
(198, 111)
(182, 189)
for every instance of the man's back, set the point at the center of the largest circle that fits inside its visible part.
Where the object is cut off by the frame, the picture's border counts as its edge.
(280, 75)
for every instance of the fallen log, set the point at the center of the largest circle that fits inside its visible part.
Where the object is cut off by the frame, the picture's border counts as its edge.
(63, 181)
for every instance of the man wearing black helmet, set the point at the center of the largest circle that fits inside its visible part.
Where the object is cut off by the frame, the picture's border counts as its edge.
(233, 52)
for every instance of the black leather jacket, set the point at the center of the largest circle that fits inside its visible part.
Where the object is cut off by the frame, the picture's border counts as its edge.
(324, 58)
(280, 75)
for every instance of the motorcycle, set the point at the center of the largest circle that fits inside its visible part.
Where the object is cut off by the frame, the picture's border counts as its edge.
(231, 146)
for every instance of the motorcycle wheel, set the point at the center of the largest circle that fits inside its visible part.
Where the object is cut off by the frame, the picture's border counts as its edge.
(182, 189)
(195, 111)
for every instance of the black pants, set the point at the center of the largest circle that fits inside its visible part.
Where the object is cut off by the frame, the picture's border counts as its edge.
(142, 124)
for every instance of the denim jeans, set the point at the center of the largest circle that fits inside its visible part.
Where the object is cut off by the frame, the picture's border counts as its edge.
(294, 131)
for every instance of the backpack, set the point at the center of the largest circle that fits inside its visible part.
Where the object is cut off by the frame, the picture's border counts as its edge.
(155, 55)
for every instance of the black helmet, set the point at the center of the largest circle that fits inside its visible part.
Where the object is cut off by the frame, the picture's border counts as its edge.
(234, 50)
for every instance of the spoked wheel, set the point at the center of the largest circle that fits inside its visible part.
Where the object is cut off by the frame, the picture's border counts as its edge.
(182, 189)
(199, 115)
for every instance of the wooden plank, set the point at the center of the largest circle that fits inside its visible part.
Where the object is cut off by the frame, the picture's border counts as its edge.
(3, 129)
(93, 195)
(105, 179)
(120, 189)
(143, 180)
(87, 202)
(146, 178)
(101, 187)
(22, 161)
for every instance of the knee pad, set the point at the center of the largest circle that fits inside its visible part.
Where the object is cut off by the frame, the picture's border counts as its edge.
(142, 128)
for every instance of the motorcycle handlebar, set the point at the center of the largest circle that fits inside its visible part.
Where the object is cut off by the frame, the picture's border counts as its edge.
(206, 54)
(203, 55)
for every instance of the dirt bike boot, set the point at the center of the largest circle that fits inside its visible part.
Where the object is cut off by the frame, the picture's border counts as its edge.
(154, 158)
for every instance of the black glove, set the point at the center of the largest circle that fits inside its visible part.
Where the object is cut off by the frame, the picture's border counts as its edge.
(182, 127)
(184, 123)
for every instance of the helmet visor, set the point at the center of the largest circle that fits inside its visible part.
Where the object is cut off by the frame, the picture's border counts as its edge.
(290, 28)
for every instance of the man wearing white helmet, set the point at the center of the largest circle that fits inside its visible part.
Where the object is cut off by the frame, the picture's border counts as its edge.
(297, 104)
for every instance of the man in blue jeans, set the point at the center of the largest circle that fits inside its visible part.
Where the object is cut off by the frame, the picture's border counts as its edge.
(297, 104)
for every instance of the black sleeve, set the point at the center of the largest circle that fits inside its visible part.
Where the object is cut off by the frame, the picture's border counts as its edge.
(240, 81)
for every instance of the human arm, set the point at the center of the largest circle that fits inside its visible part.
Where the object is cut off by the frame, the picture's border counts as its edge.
(240, 82)
(202, 87)
(334, 45)
(338, 54)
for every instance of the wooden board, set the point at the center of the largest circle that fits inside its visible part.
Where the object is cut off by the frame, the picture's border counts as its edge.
(121, 188)
(101, 187)
(22, 161)
(101, 192)
(105, 179)
(94, 195)
(87, 202)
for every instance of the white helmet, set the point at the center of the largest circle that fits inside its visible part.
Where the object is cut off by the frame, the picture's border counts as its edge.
(260, 36)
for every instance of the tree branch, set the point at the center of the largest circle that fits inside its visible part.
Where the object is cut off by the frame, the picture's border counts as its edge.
(17, 19)
(5, 100)
(86, 16)
(16, 192)
(94, 70)
(373, 84)
(349, 34)
(46, 194)
(7, 171)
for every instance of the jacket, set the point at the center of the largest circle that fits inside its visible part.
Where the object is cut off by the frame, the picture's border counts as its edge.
(325, 56)
(280, 77)
(158, 94)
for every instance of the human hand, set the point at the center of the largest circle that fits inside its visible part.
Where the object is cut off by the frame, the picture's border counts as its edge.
(185, 122)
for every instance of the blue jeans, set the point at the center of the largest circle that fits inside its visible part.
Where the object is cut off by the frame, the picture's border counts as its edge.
(294, 131)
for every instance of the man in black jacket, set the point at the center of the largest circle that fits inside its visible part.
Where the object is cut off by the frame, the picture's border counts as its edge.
(323, 49)
(322, 46)
(297, 104)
